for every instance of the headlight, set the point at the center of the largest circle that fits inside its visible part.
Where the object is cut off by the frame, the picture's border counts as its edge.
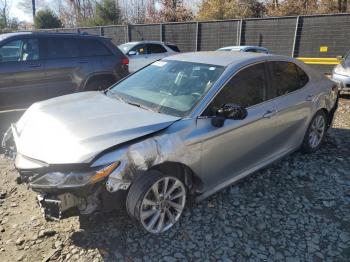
(73, 179)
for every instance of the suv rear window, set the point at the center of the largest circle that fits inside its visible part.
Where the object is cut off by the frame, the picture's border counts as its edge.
(62, 48)
(173, 47)
(91, 47)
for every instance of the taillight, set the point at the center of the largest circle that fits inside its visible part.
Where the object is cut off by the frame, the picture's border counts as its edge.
(125, 61)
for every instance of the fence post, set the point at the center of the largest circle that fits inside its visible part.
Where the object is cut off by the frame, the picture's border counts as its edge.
(127, 38)
(101, 30)
(161, 32)
(295, 35)
(197, 35)
(239, 32)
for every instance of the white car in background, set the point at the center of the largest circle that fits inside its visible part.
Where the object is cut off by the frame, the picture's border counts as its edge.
(245, 48)
(146, 52)
(341, 74)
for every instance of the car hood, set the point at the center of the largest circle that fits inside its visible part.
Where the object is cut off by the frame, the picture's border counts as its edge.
(75, 128)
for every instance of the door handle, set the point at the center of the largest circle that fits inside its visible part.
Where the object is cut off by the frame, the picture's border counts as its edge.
(269, 113)
(83, 62)
(309, 98)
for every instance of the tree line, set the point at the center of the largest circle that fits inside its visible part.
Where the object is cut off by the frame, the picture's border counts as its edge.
(72, 13)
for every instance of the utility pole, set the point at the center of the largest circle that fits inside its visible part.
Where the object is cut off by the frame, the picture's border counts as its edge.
(33, 7)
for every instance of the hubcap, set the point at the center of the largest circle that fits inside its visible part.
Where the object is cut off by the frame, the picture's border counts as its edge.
(163, 204)
(317, 131)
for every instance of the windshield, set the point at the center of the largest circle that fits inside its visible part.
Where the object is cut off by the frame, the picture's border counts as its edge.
(169, 87)
(126, 47)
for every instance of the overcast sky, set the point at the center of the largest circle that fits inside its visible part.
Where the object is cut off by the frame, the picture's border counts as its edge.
(18, 13)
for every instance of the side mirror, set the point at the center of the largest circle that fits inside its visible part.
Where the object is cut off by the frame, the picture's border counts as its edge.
(228, 111)
(132, 53)
(339, 57)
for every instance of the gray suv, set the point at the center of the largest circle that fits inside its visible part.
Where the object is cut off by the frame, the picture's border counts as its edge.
(37, 66)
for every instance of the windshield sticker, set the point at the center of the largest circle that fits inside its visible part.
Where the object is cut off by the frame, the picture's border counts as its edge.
(159, 63)
(212, 68)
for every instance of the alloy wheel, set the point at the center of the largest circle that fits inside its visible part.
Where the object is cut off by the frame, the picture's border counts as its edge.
(163, 204)
(317, 131)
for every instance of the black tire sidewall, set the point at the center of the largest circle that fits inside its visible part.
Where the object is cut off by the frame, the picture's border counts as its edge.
(306, 147)
(139, 188)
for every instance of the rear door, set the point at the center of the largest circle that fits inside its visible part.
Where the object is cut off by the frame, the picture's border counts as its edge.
(156, 51)
(294, 100)
(22, 74)
(66, 68)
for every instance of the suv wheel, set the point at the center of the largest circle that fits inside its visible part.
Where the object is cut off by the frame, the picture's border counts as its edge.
(98, 84)
(315, 133)
(156, 201)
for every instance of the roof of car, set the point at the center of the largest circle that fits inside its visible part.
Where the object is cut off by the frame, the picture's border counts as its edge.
(220, 58)
(149, 42)
(243, 47)
(47, 34)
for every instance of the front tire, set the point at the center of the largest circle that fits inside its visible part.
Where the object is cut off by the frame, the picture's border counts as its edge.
(156, 201)
(315, 133)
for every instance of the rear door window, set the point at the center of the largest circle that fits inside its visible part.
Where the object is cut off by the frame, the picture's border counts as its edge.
(63, 48)
(20, 50)
(285, 77)
(155, 49)
(90, 47)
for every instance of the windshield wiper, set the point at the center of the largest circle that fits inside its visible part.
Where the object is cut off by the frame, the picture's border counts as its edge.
(138, 105)
(130, 103)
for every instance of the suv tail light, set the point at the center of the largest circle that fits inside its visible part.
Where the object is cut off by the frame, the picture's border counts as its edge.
(125, 61)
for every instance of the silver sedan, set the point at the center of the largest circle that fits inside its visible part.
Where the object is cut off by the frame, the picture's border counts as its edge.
(181, 128)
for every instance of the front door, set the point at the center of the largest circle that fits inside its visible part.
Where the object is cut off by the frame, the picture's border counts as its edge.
(22, 74)
(239, 145)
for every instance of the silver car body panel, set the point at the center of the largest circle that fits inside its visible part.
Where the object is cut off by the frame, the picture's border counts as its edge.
(75, 128)
(79, 128)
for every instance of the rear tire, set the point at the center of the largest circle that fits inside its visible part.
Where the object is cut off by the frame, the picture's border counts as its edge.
(156, 201)
(99, 84)
(315, 133)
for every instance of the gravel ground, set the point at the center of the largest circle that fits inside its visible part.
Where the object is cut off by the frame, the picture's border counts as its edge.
(298, 209)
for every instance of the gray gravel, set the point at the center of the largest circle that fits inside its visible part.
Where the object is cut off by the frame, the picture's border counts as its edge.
(298, 209)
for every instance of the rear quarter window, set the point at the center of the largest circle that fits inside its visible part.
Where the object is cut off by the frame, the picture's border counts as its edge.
(90, 47)
(174, 48)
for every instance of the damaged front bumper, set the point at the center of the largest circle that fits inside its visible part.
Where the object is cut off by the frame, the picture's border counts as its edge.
(63, 193)
(8, 144)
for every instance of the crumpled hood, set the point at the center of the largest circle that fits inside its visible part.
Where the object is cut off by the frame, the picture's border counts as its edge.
(75, 128)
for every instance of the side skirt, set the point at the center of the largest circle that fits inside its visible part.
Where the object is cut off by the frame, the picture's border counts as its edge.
(234, 179)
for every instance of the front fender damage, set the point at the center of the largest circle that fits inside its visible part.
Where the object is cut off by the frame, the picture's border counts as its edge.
(140, 157)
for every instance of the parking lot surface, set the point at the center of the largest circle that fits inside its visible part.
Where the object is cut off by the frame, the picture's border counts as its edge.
(298, 209)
